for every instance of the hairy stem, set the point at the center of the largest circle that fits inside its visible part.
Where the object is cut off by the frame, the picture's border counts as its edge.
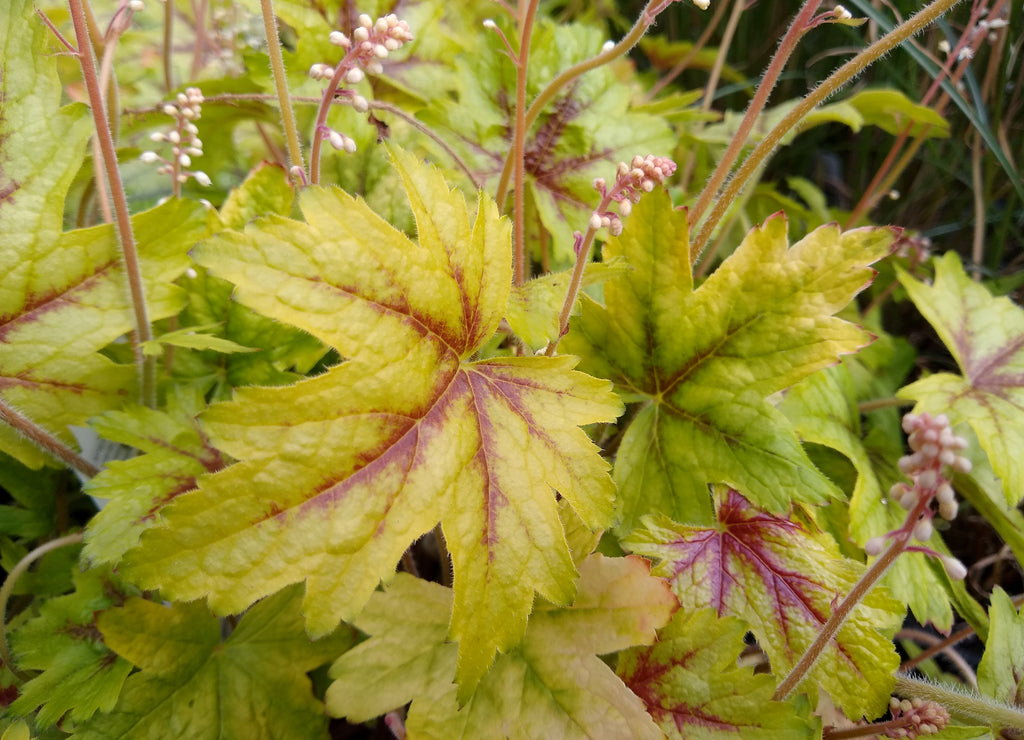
(961, 705)
(518, 153)
(827, 88)
(291, 132)
(143, 331)
(46, 441)
(786, 47)
(841, 612)
(8, 587)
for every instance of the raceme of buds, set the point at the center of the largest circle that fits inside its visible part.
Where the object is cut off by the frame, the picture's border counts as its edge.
(631, 181)
(371, 41)
(935, 449)
(183, 138)
(912, 718)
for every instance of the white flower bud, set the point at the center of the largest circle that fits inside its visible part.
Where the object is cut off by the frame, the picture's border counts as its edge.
(923, 530)
(169, 110)
(337, 38)
(184, 160)
(625, 208)
(157, 136)
(948, 510)
(380, 51)
(374, 67)
(365, 21)
(963, 465)
(173, 137)
(354, 76)
(874, 546)
(954, 568)
(202, 178)
(149, 157)
(360, 104)
(336, 139)
(927, 478)
(381, 26)
(136, 5)
(702, 4)
(945, 493)
(595, 221)
(182, 99)
(607, 46)
(360, 34)
(490, 24)
(392, 44)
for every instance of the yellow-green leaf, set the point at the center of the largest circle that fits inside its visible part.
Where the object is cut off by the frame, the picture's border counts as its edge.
(705, 361)
(340, 473)
(550, 686)
(986, 338)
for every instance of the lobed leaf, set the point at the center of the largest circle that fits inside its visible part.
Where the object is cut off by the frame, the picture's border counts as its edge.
(551, 685)
(1001, 671)
(705, 361)
(692, 687)
(174, 454)
(985, 335)
(781, 578)
(340, 473)
(191, 684)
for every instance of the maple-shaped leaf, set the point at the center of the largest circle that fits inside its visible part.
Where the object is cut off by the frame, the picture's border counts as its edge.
(705, 361)
(175, 453)
(340, 473)
(194, 685)
(985, 335)
(692, 687)
(582, 134)
(550, 686)
(781, 577)
(823, 408)
(80, 675)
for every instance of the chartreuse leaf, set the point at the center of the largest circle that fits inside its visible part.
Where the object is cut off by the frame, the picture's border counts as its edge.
(985, 335)
(174, 453)
(551, 685)
(66, 298)
(340, 473)
(80, 675)
(823, 409)
(781, 578)
(705, 361)
(692, 687)
(192, 684)
(1001, 672)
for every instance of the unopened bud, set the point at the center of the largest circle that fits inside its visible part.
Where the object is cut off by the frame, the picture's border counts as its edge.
(923, 530)
(874, 546)
(149, 157)
(954, 568)
(354, 76)
(202, 178)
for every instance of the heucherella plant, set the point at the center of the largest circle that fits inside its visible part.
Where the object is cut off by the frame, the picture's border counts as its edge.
(545, 411)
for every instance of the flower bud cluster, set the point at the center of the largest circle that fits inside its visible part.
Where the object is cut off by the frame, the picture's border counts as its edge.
(183, 137)
(935, 449)
(371, 42)
(919, 717)
(631, 182)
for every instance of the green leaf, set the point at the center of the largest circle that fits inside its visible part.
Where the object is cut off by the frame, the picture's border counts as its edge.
(550, 686)
(705, 361)
(191, 684)
(194, 337)
(1001, 672)
(175, 454)
(985, 335)
(892, 111)
(781, 577)
(691, 685)
(80, 675)
(340, 473)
